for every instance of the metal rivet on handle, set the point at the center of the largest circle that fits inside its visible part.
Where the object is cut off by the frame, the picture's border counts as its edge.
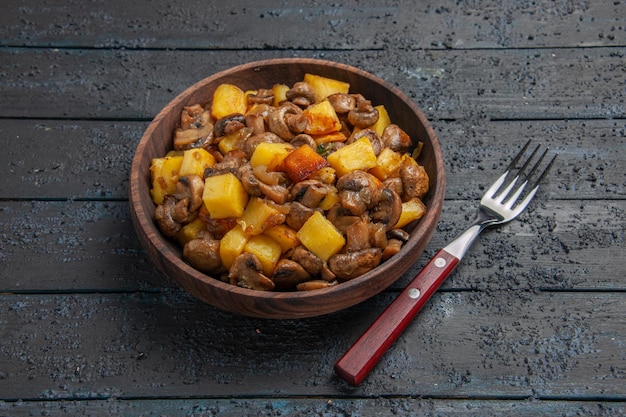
(414, 293)
(440, 262)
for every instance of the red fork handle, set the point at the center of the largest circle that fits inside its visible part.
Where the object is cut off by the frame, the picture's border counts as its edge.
(361, 358)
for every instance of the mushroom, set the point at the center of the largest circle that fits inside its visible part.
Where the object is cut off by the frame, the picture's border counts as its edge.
(308, 192)
(255, 187)
(388, 209)
(298, 214)
(342, 103)
(164, 216)
(396, 139)
(364, 115)
(303, 139)
(414, 181)
(250, 144)
(262, 96)
(309, 261)
(397, 237)
(341, 217)
(358, 191)
(203, 253)
(288, 274)
(246, 272)
(190, 187)
(357, 236)
(191, 138)
(350, 265)
(287, 119)
(301, 94)
(229, 124)
(315, 284)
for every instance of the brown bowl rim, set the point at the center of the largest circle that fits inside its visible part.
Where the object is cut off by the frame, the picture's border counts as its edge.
(149, 233)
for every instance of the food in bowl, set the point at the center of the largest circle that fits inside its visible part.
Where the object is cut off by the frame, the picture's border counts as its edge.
(288, 187)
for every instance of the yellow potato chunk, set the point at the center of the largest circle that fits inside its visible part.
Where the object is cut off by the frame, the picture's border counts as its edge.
(266, 249)
(329, 137)
(325, 87)
(321, 119)
(331, 198)
(190, 231)
(165, 173)
(227, 99)
(321, 237)
(270, 155)
(383, 120)
(303, 162)
(224, 196)
(357, 155)
(234, 141)
(285, 236)
(388, 164)
(413, 209)
(280, 93)
(260, 216)
(195, 161)
(232, 245)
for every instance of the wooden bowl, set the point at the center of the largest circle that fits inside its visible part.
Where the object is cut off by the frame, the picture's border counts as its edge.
(167, 255)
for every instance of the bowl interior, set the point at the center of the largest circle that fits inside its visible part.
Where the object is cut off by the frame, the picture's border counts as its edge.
(167, 255)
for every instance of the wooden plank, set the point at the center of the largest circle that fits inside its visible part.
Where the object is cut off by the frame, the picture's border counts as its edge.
(496, 84)
(91, 159)
(325, 25)
(475, 345)
(92, 246)
(296, 407)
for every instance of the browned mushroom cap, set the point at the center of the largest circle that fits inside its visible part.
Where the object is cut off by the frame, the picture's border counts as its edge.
(414, 181)
(288, 274)
(301, 94)
(298, 214)
(365, 115)
(279, 123)
(190, 187)
(229, 124)
(303, 139)
(358, 191)
(256, 122)
(192, 138)
(246, 272)
(257, 188)
(250, 144)
(388, 209)
(353, 264)
(204, 255)
(392, 248)
(309, 261)
(308, 192)
(396, 139)
(164, 216)
(262, 96)
(342, 103)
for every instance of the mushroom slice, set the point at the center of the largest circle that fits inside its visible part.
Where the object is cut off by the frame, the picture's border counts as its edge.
(164, 218)
(190, 187)
(278, 123)
(357, 236)
(358, 191)
(372, 136)
(308, 192)
(365, 115)
(229, 124)
(353, 264)
(392, 248)
(316, 284)
(288, 274)
(298, 214)
(388, 209)
(246, 272)
(191, 138)
(396, 139)
(309, 261)
(303, 139)
(262, 96)
(204, 255)
(414, 181)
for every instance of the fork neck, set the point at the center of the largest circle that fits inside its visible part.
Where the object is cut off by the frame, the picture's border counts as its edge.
(459, 246)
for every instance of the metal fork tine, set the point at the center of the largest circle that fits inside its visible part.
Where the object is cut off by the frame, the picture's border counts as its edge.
(522, 205)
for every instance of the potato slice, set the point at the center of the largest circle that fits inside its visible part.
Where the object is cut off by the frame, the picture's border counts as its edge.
(270, 155)
(195, 161)
(259, 216)
(232, 245)
(266, 249)
(285, 236)
(165, 173)
(412, 210)
(388, 164)
(321, 119)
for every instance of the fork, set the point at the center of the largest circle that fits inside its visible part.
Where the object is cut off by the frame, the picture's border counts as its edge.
(500, 204)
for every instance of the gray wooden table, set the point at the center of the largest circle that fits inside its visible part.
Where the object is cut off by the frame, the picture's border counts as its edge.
(532, 323)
